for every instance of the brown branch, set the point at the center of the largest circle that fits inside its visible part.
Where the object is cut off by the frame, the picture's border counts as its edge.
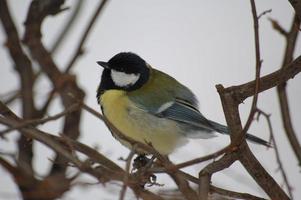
(263, 179)
(35, 122)
(12, 120)
(233, 194)
(183, 185)
(67, 26)
(214, 189)
(291, 39)
(243, 91)
(43, 110)
(21, 61)
(25, 71)
(126, 176)
(230, 106)
(297, 7)
(278, 28)
(206, 173)
(192, 161)
(65, 84)
(268, 119)
(9, 167)
(10, 97)
(79, 50)
(264, 13)
(104, 172)
(257, 67)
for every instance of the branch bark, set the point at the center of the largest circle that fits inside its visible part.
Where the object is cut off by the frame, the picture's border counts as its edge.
(291, 38)
(65, 84)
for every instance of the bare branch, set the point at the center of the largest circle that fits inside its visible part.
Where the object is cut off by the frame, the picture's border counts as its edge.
(257, 67)
(126, 177)
(267, 117)
(206, 173)
(67, 27)
(291, 39)
(297, 6)
(34, 122)
(233, 194)
(79, 51)
(243, 91)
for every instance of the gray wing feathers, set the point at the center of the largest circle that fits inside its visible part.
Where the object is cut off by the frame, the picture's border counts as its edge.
(191, 117)
(186, 114)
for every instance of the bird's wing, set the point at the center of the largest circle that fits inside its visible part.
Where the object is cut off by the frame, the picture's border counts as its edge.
(160, 89)
(183, 112)
(165, 97)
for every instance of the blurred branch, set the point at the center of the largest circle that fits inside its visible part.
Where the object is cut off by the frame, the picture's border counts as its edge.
(79, 50)
(264, 13)
(183, 185)
(297, 7)
(196, 160)
(127, 171)
(43, 110)
(291, 40)
(65, 84)
(233, 194)
(35, 122)
(267, 117)
(206, 173)
(12, 96)
(67, 27)
(25, 72)
(104, 172)
(20, 59)
(257, 69)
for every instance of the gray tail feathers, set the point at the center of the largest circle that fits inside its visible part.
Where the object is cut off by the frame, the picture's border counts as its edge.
(224, 130)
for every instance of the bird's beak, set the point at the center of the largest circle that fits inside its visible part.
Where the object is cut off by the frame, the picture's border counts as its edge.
(103, 64)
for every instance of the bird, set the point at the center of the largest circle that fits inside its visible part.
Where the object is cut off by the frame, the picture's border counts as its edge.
(151, 107)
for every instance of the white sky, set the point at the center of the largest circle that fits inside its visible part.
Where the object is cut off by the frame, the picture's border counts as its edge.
(200, 43)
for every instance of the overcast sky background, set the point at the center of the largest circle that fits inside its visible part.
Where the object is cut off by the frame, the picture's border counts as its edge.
(201, 44)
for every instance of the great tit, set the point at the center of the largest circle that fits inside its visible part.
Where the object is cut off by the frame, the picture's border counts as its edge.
(152, 107)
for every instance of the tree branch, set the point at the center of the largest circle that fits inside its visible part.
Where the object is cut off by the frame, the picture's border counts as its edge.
(291, 39)
(79, 50)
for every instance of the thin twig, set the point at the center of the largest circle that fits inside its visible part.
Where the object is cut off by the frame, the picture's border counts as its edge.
(204, 158)
(79, 49)
(291, 40)
(268, 119)
(279, 28)
(191, 162)
(92, 111)
(264, 13)
(126, 176)
(35, 122)
(67, 27)
(257, 67)
(206, 173)
(296, 4)
(232, 194)
(24, 68)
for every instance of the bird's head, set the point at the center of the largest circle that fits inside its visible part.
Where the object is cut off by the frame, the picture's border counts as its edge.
(125, 71)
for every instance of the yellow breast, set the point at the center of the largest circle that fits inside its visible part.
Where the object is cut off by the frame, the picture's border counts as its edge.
(163, 134)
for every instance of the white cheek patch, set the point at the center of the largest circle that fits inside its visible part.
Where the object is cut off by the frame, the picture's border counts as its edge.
(122, 79)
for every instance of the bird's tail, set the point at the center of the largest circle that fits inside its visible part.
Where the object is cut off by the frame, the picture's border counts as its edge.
(224, 130)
